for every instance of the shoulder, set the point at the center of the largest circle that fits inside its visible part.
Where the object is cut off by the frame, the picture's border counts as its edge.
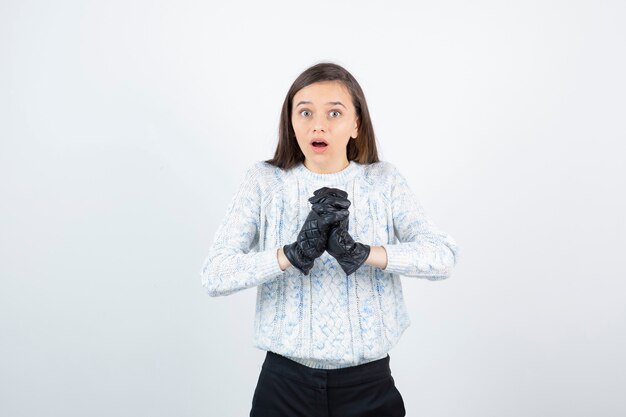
(380, 172)
(384, 177)
(259, 170)
(265, 177)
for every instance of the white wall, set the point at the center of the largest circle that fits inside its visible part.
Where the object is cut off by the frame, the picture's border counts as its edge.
(126, 126)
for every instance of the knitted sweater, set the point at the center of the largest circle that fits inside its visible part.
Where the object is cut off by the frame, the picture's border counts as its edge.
(326, 319)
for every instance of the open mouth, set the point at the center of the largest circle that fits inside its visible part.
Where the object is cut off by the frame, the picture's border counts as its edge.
(319, 144)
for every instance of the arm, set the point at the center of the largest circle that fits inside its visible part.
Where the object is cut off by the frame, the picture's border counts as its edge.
(377, 257)
(283, 261)
(424, 251)
(234, 262)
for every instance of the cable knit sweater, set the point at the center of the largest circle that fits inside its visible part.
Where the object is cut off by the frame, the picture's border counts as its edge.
(326, 319)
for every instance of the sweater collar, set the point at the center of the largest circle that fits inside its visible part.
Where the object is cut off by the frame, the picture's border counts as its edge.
(336, 177)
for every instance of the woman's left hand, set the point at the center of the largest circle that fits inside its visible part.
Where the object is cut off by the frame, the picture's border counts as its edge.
(350, 254)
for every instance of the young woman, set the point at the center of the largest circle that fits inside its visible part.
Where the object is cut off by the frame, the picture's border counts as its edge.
(324, 230)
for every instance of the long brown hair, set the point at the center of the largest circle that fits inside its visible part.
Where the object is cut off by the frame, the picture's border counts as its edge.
(362, 149)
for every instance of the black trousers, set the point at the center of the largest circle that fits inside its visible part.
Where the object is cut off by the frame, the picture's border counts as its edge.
(289, 389)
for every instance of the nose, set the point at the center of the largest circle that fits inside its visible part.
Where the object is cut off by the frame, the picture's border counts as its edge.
(319, 123)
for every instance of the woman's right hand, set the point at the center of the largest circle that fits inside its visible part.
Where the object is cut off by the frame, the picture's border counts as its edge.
(311, 241)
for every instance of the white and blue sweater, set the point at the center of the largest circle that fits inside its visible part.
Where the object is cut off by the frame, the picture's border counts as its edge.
(327, 319)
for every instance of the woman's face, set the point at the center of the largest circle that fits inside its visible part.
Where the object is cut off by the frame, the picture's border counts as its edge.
(324, 111)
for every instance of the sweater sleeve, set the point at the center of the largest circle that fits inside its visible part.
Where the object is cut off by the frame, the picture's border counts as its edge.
(234, 261)
(423, 250)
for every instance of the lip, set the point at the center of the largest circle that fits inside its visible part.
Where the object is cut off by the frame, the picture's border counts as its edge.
(318, 140)
(318, 149)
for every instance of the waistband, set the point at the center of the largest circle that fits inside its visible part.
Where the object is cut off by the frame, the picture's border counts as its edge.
(322, 378)
(324, 364)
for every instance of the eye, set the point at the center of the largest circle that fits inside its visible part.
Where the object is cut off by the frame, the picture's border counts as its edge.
(304, 111)
(335, 111)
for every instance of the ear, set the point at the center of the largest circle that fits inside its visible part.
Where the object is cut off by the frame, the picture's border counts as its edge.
(355, 131)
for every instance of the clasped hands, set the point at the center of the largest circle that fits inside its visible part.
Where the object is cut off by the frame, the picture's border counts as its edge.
(326, 229)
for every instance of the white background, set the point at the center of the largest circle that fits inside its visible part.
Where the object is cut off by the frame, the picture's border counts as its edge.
(126, 127)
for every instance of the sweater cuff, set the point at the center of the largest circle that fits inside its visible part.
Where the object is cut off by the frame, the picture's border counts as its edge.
(398, 259)
(268, 264)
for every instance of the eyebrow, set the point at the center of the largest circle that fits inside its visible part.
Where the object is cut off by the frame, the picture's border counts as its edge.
(330, 102)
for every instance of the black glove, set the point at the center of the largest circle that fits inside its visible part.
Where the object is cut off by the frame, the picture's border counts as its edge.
(311, 241)
(350, 254)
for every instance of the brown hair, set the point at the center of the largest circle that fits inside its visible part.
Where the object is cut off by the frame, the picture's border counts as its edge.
(362, 150)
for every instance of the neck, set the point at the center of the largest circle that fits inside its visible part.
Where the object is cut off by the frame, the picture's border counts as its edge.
(329, 168)
(335, 176)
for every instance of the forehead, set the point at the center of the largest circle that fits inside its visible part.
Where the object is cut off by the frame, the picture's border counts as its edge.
(322, 92)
